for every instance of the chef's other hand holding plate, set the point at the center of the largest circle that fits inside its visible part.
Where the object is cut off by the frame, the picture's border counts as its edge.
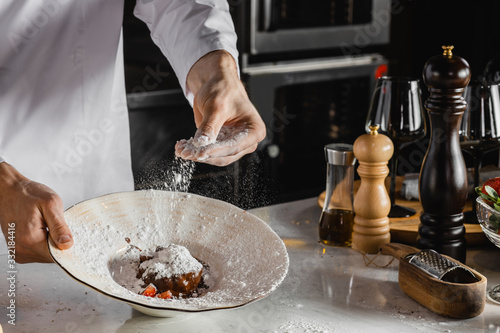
(27, 210)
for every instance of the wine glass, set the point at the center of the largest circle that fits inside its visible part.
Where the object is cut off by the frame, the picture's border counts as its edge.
(489, 219)
(397, 108)
(480, 128)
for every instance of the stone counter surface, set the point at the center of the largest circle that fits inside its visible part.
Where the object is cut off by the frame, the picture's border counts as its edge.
(327, 289)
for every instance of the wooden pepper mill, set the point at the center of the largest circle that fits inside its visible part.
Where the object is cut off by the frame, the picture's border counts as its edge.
(443, 176)
(372, 203)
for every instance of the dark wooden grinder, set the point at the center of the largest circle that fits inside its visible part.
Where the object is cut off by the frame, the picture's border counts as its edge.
(443, 176)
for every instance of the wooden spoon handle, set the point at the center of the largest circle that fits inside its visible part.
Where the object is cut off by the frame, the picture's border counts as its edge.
(397, 250)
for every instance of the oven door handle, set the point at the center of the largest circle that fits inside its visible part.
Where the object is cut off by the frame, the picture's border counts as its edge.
(268, 12)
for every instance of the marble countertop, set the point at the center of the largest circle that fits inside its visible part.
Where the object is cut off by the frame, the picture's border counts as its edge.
(327, 289)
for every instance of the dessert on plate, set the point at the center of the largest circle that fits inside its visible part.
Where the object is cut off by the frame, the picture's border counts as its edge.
(162, 272)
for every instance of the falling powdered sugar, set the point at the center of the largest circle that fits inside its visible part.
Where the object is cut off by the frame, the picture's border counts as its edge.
(179, 176)
(172, 176)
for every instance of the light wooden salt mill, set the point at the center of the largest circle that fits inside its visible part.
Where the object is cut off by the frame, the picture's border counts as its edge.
(372, 203)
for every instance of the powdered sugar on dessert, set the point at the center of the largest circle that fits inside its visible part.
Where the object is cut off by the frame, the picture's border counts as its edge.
(135, 269)
(170, 261)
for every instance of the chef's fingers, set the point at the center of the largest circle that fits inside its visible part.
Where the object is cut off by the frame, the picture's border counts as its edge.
(214, 116)
(228, 147)
(52, 211)
(240, 140)
(222, 152)
(184, 150)
(218, 151)
(31, 237)
(37, 250)
(200, 154)
(222, 160)
(206, 133)
(31, 241)
(181, 144)
(226, 160)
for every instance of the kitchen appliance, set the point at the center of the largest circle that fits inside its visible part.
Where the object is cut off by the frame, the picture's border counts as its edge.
(287, 26)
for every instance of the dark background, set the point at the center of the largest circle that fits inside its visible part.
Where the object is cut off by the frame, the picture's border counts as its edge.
(423, 26)
(418, 30)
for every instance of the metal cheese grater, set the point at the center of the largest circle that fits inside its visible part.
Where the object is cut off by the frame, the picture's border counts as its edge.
(440, 267)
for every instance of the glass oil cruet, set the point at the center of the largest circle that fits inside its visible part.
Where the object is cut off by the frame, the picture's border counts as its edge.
(337, 217)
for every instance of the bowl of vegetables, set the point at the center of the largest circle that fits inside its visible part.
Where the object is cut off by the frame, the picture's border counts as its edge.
(488, 209)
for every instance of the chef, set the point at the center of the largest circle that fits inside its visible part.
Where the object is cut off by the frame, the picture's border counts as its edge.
(64, 133)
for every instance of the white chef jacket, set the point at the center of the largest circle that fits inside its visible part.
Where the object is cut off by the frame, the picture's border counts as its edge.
(63, 112)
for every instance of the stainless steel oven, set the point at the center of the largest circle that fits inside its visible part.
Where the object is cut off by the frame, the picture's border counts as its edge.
(276, 26)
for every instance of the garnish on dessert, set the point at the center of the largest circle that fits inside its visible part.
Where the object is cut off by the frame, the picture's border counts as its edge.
(165, 295)
(150, 291)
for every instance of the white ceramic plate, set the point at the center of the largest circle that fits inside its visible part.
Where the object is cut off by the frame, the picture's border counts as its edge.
(247, 259)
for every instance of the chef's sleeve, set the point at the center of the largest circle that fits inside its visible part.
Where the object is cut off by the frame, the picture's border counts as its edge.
(186, 30)
(1, 159)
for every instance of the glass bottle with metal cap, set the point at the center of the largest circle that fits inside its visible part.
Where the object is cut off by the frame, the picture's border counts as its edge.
(337, 217)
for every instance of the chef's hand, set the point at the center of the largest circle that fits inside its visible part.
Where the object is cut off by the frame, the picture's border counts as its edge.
(228, 124)
(28, 209)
